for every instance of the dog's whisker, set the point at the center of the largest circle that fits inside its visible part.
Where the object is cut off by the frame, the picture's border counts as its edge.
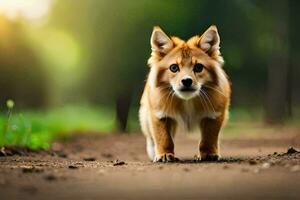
(200, 97)
(208, 99)
(207, 106)
(215, 89)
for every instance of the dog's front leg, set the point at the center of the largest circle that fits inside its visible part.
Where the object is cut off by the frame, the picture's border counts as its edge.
(163, 132)
(209, 145)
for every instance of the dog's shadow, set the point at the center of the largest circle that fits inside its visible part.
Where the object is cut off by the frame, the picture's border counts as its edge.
(221, 160)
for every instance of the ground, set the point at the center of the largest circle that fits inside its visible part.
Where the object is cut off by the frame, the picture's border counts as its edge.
(97, 166)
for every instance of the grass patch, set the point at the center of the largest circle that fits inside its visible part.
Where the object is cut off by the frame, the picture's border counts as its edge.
(37, 129)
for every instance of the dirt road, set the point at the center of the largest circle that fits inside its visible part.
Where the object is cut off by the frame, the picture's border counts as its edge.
(86, 167)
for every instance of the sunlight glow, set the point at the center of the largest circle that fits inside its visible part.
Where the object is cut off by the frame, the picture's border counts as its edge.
(34, 10)
(61, 49)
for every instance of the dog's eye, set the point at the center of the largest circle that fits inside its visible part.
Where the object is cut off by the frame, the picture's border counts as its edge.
(198, 68)
(174, 68)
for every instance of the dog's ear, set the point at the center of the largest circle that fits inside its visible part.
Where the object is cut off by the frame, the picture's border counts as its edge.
(209, 41)
(160, 42)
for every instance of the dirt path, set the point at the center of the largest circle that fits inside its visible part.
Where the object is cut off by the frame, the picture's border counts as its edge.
(85, 167)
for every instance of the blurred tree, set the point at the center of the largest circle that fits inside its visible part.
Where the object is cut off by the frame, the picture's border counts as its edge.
(279, 95)
(122, 110)
(294, 72)
(21, 76)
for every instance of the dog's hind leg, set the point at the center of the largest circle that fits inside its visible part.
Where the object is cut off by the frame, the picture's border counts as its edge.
(150, 148)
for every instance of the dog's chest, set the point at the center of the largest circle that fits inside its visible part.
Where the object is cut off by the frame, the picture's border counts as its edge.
(189, 116)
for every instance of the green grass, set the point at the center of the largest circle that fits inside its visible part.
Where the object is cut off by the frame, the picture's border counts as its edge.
(39, 129)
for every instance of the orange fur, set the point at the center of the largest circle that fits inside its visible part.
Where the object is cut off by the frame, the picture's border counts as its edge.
(165, 105)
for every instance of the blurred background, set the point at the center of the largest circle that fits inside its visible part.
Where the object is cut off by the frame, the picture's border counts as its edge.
(74, 67)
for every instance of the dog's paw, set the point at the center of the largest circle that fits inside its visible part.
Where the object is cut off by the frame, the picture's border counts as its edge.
(167, 157)
(209, 157)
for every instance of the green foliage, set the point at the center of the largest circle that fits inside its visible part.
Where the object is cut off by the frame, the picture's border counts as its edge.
(38, 129)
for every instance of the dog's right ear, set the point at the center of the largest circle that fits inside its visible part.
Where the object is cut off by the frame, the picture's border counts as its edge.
(160, 42)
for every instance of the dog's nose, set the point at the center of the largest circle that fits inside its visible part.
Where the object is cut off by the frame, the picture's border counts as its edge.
(187, 82)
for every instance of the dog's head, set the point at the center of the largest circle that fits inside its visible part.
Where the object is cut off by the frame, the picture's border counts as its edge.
(185, 66)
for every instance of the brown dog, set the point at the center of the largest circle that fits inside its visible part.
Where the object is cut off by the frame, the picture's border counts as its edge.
(186, 87)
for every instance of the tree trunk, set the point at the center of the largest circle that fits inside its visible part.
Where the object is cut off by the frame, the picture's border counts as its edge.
(122, 111)
(278, 94)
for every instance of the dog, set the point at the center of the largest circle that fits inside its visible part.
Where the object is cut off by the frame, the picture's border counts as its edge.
(186, 88)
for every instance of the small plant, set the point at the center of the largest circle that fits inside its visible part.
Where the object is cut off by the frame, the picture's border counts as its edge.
(6, 122)
(16, 129)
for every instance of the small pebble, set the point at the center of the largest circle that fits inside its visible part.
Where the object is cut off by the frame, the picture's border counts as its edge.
(89, 159)
(118, 163)
(73, 167)
(291, 150)
(252, 162)
(266, 165)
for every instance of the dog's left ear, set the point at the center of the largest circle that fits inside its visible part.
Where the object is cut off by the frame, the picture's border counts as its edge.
(210, 41)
